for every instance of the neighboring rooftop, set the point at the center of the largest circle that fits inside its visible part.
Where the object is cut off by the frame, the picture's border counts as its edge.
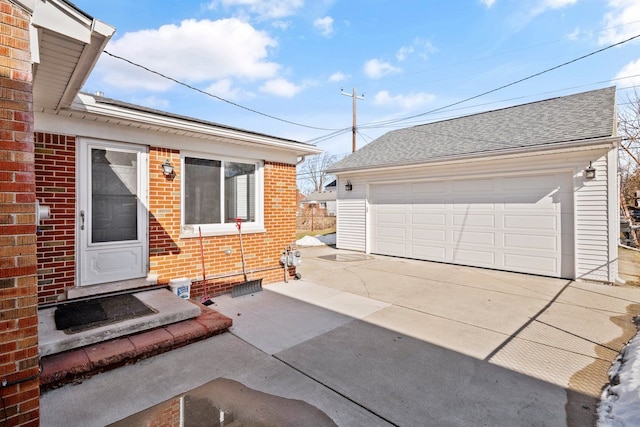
(574, 118)
(320, 196)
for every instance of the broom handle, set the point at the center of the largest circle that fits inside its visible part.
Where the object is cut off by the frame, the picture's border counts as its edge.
(204, 274)
(244, 268)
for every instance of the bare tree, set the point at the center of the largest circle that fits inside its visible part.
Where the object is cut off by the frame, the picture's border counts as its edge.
(313, 174)
(629, 129)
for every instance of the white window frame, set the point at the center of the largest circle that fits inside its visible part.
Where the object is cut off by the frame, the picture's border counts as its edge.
(193, 230)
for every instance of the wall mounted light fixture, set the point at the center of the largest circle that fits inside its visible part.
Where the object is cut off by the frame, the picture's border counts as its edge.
(348, 186)
(590, 172)
(167, 169)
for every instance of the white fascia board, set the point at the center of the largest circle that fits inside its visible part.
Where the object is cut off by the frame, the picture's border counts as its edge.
(86, 104)
(606, 143)
(27, 5)
(64, 19)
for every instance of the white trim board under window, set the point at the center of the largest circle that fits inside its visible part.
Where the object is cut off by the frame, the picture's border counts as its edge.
(214, 191)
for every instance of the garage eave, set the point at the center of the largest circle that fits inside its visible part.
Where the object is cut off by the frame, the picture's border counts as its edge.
(608, 142)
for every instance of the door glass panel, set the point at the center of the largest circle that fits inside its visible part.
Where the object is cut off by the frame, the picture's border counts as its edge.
(114, 198)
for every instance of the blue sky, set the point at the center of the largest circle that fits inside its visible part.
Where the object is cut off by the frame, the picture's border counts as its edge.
(289, 59)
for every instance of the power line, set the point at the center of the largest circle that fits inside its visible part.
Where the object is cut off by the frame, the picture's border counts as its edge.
(164, 76)
(505, 85)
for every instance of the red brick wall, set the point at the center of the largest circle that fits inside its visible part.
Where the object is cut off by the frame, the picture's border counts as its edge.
(172, 257)
(55, 157)
(18, 286)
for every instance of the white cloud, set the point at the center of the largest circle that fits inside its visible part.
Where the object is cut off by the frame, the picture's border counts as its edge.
(338, 77)
(539, 7)
(622, 13)
(574, 34)
(224, 89)
(629, 70)
(194, 52)
(324, 25)
(281, 87)
(264, 9)
(488, 3)
(376, 69)
(557, 4)
(420, 47)
(404, 52)
(403, 101)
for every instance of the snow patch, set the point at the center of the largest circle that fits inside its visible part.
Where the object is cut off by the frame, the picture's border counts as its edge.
(327, 239)
(620, 400)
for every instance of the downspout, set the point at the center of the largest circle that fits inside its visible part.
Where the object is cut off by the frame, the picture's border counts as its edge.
(302, 159)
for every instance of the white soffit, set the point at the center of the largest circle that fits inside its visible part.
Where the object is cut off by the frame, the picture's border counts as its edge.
(66, 44)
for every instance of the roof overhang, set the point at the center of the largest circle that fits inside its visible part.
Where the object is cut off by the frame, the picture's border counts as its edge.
(86, 107)
(65, 46)
(604, 143)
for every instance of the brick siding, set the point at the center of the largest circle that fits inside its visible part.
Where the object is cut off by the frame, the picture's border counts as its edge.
(18, 286)
(172, 257)
(55, 157)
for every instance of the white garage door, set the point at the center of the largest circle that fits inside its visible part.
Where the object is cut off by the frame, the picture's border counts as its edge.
(516, 223)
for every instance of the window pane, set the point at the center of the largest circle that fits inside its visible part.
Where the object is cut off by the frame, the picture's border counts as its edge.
(240, 191)
(114, 200)
(201, 191)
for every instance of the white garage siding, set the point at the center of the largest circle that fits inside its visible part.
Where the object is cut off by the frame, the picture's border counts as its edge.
(517, 223)
(351, 218)
(592, 226)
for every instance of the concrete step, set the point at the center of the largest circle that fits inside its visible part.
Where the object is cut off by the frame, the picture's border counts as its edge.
(80, 363)
(168, 307)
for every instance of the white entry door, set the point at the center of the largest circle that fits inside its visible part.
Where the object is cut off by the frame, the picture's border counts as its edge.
(112, 214)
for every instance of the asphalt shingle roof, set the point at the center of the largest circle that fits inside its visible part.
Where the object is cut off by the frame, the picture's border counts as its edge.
(578, 117)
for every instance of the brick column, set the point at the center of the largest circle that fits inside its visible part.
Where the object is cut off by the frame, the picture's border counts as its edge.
(19, 384)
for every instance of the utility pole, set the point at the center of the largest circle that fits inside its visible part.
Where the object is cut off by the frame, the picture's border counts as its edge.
(355, 97)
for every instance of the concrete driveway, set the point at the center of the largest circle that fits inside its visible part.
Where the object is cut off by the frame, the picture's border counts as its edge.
(372, 340)
(516, 327)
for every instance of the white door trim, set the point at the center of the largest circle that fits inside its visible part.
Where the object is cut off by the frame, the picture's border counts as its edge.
(88, 253)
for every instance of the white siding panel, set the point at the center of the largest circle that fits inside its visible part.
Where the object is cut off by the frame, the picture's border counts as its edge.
(351, 224)
(592, 225)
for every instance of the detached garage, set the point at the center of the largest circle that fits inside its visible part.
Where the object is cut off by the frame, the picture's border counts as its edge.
(530, 189)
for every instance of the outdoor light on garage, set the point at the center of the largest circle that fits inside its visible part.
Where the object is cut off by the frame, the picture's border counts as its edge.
(590, 172)
(348, 186)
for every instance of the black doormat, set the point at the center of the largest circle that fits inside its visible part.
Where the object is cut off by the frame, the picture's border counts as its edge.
(83, 315)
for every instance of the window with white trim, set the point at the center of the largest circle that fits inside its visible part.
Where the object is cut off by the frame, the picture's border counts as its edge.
(215, 192)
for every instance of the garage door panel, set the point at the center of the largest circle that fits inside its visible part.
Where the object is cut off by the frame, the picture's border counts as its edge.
(430, 235)
(392, 232)
(428, 219)
(474, 238)
(392, 248)
(522, 223)
(391, 218)
(477, 257)
(468, 205)
(544, 222)
(421, 206)
(530, 241)
(486, 220)
(530, 263)
(433, 253)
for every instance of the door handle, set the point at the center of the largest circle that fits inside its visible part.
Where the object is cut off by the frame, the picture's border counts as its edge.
(81, 220)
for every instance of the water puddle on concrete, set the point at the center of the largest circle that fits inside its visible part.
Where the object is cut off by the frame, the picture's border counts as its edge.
(347, 257)
(225, 402)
